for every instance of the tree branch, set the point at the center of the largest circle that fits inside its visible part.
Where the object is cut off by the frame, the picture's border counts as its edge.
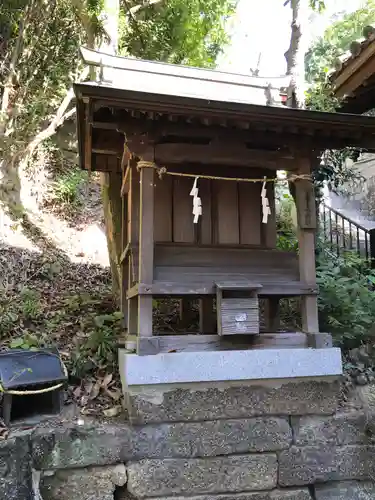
(12, 73)
(61, 115)
(141, 6)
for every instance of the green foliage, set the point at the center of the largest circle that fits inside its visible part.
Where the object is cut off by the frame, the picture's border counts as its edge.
(336, 172)
(191, 33)
(319, 97)
(65, 190)
(346, 299)
(98, 350)
(285, 225)
(26, 309)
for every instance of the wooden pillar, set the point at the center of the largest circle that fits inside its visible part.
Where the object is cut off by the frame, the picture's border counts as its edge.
(146, 248)
(272, 314)
(186, 306)
(306, 215)
(124, 259)
(207, 320)
(133, 209)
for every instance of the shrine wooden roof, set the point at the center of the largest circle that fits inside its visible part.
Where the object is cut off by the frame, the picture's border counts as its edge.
(162, 100)
(353, 79)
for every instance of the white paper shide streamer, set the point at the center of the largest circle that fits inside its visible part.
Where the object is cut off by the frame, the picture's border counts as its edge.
(197, 203)
(266, 209)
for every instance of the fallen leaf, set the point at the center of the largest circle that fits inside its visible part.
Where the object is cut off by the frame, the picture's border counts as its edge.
(107, 380)
(114, 394)
(113, 412)
(95, 390)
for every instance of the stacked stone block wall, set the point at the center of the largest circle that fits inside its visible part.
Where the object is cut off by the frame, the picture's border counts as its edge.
(280, 444)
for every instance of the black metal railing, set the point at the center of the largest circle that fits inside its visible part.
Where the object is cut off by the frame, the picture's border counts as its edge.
(343, 234)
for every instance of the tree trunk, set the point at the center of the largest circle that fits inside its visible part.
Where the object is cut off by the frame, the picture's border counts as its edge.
(111, 182)
(295, 55)
(295, 59)
(112, 206)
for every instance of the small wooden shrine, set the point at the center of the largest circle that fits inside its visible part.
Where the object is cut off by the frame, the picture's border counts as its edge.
(197, 162)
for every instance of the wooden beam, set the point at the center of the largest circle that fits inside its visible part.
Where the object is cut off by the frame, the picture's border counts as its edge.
(88, 136)
(125, 181)
(306, 243)
(193, 343)
(223, 154)
(281, 289)
(146, 247)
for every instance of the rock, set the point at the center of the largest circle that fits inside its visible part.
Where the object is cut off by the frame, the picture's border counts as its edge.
(361, 379)
(80, 446)
(92, 483)
(312, 464)
(189, 477)
(84, 446)
(205, 439)
(225, 400)
(15, 467)
(352, 490)
(293, 494)
(360, 355)
(340, 429)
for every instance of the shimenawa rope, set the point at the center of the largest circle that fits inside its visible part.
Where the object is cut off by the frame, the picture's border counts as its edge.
(163, 171)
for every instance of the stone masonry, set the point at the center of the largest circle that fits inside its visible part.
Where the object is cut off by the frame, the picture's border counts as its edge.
(284, 447)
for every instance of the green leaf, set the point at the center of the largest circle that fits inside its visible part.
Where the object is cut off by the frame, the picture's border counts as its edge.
(17, 343)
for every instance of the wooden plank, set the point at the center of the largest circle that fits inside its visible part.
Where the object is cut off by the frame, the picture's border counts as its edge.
(146, 249)
(306, 212)
(238, 316)
(250, 213)
(227, 212)
(270, 228)
(163, 209)
(221, 153)
(183, 227)
(220, 256)
(199, 288)
(306, 243)
(205, 192)
(195, 343)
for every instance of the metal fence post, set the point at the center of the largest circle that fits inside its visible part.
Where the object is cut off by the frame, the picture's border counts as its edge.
(372, 247)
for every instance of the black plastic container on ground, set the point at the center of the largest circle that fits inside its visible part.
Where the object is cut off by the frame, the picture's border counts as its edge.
(31, 384)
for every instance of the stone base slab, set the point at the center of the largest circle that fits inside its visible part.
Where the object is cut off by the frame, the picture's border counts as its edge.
(214, 366)
(292, 494)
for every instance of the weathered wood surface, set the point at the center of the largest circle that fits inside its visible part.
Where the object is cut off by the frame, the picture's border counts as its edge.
(162, 288)
(163, 212)
(230, 257)
(231, 211)
(183, 227)
(146, 249)
(306, 212)
(238, 316)
(306, 243)
(193, 343)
